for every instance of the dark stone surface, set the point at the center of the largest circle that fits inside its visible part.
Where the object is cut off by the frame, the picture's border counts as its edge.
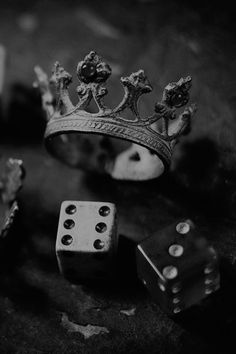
(33, 295)
(168, 40)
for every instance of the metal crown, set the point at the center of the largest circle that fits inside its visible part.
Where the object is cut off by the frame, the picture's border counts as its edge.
(157, 132)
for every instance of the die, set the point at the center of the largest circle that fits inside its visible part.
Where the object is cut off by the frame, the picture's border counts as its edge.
(87, 239)
(178, 266)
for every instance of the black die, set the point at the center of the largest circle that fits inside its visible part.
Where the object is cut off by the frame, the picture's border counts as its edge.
(178, 266)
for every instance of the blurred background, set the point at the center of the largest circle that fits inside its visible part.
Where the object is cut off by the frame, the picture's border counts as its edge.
(168, 39)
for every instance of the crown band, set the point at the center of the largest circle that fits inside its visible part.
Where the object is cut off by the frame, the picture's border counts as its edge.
(112, 129)
(158, 132)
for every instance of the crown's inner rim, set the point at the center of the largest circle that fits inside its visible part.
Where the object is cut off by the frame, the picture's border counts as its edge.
(73, 148)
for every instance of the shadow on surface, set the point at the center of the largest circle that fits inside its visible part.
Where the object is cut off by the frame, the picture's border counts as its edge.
(215, 318)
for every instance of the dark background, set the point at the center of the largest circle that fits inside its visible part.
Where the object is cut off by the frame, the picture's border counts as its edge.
(168, 39)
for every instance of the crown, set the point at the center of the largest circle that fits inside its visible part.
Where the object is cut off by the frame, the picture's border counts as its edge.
(157, 132)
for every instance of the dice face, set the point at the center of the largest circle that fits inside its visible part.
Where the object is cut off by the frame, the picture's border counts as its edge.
(86, 240)
(178, 267)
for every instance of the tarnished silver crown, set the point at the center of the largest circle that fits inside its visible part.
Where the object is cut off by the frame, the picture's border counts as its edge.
(157, 132)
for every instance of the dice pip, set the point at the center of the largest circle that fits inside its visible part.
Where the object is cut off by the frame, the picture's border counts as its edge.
(178, 266)
(86, 240)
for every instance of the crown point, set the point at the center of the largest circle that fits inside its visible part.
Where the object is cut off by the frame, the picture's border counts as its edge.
(59, 74)
(137, 80)
(93, 69)
(176, 93)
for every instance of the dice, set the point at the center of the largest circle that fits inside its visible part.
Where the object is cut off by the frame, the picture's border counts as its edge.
(86, 242)
(178, 267)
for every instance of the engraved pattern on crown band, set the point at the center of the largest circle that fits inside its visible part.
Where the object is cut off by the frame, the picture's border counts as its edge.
(112, 129)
